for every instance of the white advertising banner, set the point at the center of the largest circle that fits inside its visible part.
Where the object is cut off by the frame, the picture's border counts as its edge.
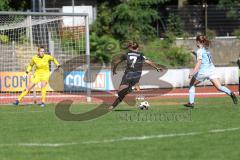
(176, 78)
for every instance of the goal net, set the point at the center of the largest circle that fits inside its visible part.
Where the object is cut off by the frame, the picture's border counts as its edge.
(64, 36)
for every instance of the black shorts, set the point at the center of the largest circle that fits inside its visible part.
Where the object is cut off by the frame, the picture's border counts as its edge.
(131, 78)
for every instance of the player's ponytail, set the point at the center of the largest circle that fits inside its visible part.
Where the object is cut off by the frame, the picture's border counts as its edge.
(129, 45)
(206, 42)
(203, 40)
(133, 45)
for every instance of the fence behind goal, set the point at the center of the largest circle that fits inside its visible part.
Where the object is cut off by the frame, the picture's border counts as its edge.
(64, 36)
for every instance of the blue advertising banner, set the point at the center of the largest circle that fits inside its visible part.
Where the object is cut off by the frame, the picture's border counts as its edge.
(74, 81)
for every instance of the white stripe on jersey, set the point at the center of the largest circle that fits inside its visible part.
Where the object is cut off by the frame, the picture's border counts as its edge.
(133, 54)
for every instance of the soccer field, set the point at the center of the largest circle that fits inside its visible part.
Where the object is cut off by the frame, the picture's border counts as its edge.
(166, 131)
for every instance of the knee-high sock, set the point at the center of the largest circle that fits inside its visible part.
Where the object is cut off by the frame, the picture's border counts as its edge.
(23, 94)
(121, 95)
(225, 90)
(44, 92)
(191, 94)
(116, 102)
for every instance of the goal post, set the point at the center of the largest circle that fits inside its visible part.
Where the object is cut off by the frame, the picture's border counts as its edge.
(63, 35)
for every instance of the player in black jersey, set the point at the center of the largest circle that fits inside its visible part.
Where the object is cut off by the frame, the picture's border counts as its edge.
(133, 71)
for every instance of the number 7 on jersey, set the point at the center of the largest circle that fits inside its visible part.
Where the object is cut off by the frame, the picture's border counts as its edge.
(134, 60)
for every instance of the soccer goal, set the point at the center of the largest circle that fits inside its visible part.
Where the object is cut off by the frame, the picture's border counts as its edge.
(63, 35)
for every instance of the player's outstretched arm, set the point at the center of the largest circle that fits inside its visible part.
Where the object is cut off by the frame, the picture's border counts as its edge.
(115, 64)
(195, 69)
(153, 65)
(30, 66)
(55, 62)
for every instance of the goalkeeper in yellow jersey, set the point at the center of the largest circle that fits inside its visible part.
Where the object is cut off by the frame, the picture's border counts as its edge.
(42, 73)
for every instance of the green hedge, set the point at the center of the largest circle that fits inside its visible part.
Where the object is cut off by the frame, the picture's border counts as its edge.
(166, 53)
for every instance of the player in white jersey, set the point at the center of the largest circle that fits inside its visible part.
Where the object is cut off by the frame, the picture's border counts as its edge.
(205, 70)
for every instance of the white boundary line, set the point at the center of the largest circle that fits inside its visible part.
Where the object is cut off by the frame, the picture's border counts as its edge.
(140, 138)
(23, 111)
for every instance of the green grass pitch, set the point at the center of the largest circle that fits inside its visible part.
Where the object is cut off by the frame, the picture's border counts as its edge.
(167, 131)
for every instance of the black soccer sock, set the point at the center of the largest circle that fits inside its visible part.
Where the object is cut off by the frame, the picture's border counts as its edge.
(116, 102)
(121, 95)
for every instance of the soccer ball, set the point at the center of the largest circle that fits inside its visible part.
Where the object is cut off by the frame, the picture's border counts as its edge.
(144, 105)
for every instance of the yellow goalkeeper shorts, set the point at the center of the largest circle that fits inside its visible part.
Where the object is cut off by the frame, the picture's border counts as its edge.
(36, 78)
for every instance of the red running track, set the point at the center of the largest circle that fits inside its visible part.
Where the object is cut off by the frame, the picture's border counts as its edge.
(99, 96)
